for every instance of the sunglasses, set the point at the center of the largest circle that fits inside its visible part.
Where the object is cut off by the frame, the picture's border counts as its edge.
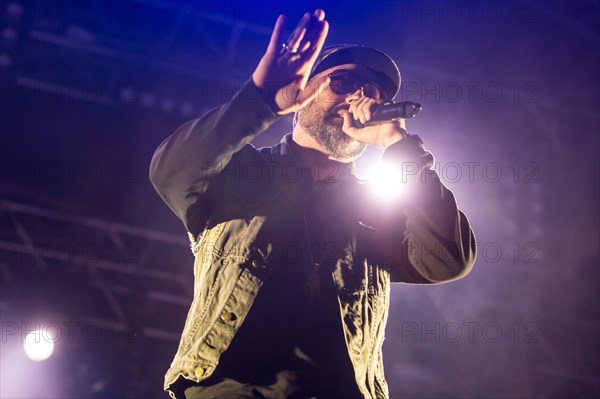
(346, 82)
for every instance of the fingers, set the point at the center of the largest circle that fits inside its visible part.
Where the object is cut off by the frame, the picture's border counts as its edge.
(362, 109)
(369, 107)
(301, 31)
(318, 39)
(314, 28)
(315, 44)
(322, 28)
(305, 43)
(348, 125)
(356, 108)
(295, 37)
(289, 68)
(304, 47)
(276, 35)
(307, 30)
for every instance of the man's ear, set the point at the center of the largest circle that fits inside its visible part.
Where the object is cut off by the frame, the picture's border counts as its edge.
(294, 120)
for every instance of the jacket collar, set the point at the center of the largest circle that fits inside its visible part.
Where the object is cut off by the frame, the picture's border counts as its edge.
(286, 152)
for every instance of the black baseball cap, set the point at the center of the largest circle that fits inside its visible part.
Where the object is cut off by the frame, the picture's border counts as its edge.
(386, 70)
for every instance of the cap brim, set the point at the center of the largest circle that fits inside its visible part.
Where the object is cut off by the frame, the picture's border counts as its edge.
(384, 67)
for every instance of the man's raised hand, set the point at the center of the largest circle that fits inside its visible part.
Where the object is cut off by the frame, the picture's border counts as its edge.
(282, 74)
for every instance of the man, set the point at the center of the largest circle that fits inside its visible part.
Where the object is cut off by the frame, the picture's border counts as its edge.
(293, 258)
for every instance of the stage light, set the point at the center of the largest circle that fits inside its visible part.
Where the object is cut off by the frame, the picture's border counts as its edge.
(38, 346)
(385, 182)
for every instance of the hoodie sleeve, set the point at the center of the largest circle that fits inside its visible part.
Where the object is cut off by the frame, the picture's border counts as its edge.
(426, 238)
(185, 165)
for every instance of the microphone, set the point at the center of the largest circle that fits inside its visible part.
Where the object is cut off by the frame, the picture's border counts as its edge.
(390, 112)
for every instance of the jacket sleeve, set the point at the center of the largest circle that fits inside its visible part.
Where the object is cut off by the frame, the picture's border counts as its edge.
(426, 238)
(184, 167)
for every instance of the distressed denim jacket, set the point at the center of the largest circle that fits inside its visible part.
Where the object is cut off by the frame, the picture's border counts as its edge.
(238, 204)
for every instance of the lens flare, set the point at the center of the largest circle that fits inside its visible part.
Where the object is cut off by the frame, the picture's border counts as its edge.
(38, 346)
(386, 183)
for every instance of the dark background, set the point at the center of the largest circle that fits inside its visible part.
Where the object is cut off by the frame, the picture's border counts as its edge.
(510, 91)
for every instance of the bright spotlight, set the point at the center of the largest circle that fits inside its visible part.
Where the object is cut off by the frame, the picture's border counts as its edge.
(385, 182)
(38, 347)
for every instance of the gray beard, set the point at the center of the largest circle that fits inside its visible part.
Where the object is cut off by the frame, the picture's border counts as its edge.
(327, 132)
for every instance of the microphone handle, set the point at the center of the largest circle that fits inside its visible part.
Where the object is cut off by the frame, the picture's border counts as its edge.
(390, 112)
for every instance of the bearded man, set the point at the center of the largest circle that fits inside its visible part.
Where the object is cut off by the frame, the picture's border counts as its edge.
(293, 258)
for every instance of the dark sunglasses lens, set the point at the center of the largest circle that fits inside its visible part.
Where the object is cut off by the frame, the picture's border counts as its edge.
(371, 90)
(343, 84)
